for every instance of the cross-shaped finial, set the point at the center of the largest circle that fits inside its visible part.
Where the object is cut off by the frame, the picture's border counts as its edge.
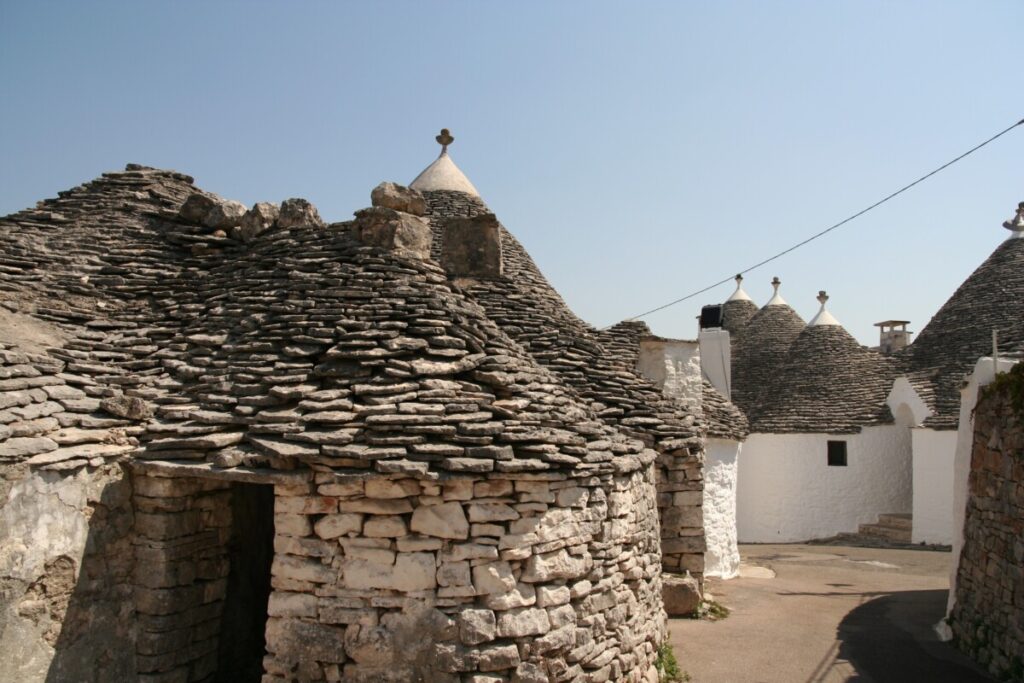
(444, 139)
(775, 283)
(822, 296)
(1017, 222)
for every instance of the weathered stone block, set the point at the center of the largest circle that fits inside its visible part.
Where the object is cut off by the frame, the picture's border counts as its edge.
(196, 207)
(258, 219)
(399, 198)
(494, 577)
(446, 520)
(295, 640)
(471, 247)
(292, 524)
(454, 574)
(387, 488)
(297, 212)
(498, 658)
(526, 621)
(393, 230)
(333, 526)
(681, 594)
(224, 215)
(376, 507)
(552, 596)
(555, 565)
(291, 605)
(477, 626)
(523, 595)
(384, 526)
(491, 512)
(411, 572)
(302, 569)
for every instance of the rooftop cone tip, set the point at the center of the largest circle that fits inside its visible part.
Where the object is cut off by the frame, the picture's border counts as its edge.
(443, 174)
(739, 294)
(823, 317)
(776, 299)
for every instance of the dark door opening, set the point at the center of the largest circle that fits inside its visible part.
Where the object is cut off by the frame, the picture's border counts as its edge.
(250, 552)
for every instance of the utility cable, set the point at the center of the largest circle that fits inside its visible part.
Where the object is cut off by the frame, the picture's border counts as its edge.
(831, 228)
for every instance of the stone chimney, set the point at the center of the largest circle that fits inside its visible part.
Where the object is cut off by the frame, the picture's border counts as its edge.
(893, 335)
(471, 247)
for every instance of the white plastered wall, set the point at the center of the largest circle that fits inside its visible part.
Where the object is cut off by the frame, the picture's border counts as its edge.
(933, 485)
(674, 366)
(722, 557)
(787, 492)
(716, 359)
(984, 373)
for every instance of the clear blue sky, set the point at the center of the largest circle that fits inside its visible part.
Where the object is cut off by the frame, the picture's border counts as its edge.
(639, 150)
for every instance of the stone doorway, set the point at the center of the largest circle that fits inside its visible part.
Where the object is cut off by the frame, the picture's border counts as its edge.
(250, 552)
(204, 547)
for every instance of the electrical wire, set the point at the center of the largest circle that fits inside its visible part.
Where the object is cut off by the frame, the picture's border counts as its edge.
(830, 228)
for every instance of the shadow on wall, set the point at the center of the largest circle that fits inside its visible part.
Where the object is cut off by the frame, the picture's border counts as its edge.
(890, 639)
(91, 619)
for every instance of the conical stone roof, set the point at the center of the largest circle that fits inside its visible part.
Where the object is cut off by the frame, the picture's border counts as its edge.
(528, 308)
(759, 352)
(302, 347)
(737, 314)
(991, 298)
(738, 310)
(828, 383)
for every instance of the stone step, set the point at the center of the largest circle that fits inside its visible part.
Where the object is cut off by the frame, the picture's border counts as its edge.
(895, 534)
(897, 520)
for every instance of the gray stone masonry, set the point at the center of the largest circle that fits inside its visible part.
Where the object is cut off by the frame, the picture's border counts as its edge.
(988, 617)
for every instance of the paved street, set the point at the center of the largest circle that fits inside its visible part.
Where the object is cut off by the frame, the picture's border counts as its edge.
(830, 614)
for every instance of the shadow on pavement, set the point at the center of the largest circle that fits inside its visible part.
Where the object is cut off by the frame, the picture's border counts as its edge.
(890, 639)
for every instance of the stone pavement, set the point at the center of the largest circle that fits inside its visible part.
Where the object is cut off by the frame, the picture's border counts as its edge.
(830, 614)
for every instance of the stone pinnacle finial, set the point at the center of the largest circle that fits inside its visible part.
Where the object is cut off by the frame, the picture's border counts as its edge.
(739, 279)
(444, 139)
(822, 297)
(1016, 224)
(775, 283)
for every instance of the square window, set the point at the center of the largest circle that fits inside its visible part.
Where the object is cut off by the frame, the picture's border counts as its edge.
(837, 454)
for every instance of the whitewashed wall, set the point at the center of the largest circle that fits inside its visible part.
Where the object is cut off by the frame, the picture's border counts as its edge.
(47, 527)
(674, 366)
(786, 491)
(933, 485)
(984, 372)
(716, 359)
(722, 557)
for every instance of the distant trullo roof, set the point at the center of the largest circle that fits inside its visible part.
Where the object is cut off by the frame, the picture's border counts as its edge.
(828, 383)
(738, 309)
(443, 174)
(760, 349)
(991, 298)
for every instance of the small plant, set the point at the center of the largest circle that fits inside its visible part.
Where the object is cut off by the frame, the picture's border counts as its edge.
(710, 610)
(668, 667)
(1012, 383)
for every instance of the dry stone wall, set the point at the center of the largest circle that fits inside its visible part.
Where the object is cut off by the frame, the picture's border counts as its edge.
(529, 578)
(988, 617)
(532, 578)
(180, 575)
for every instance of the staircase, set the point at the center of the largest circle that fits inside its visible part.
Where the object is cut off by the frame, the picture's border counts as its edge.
(891, 528)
